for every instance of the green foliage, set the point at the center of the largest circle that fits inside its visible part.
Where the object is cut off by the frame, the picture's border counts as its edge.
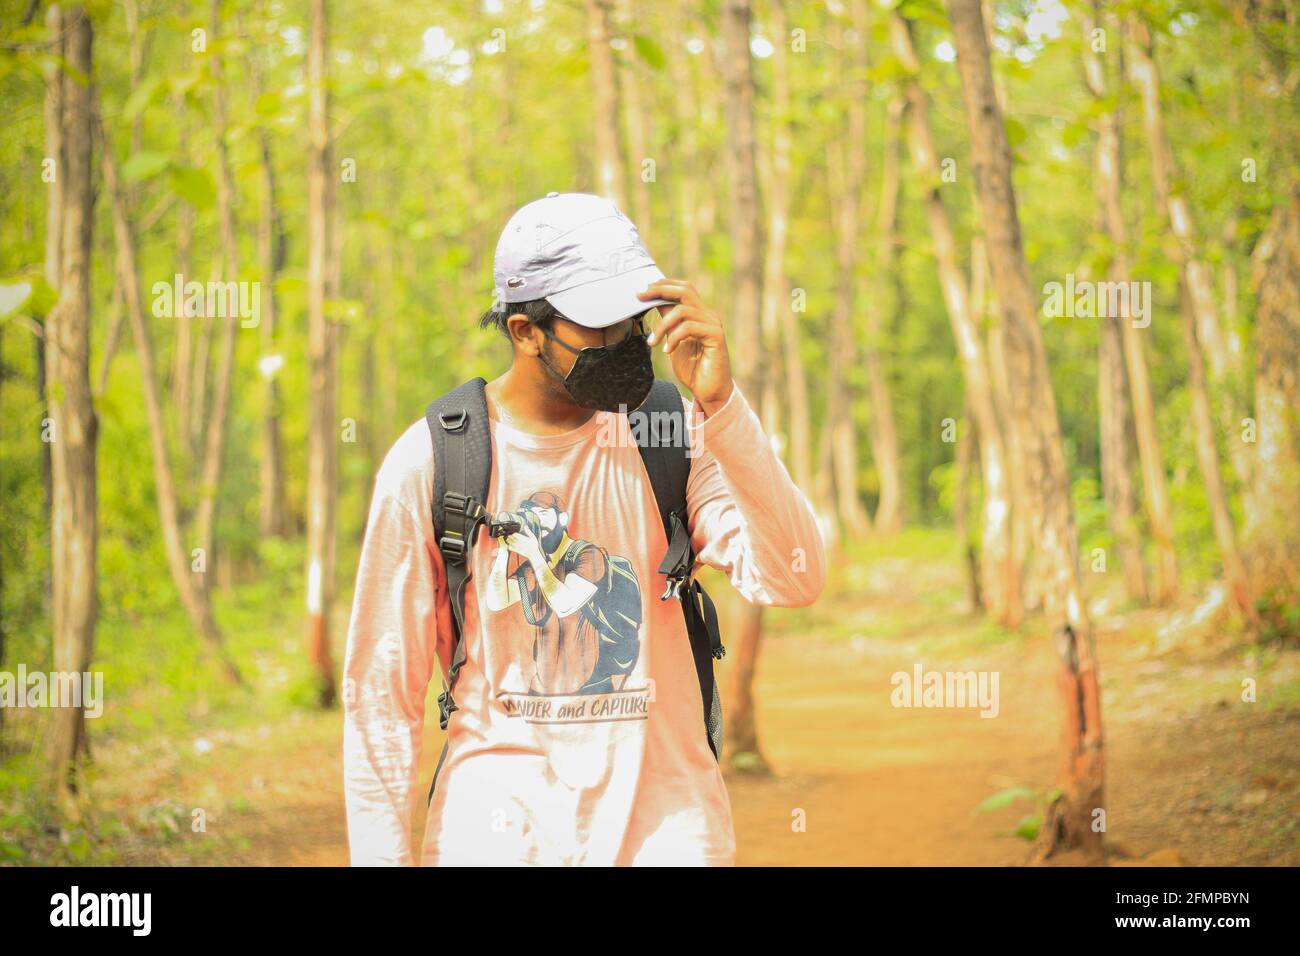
(1004, 798)
(448, 138)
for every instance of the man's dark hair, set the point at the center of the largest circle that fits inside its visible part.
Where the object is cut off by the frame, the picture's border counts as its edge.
(540, 312)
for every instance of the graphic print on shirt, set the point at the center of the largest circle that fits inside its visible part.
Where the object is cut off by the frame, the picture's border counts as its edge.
(581, 609)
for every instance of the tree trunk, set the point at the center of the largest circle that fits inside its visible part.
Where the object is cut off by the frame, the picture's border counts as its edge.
(884, 431)
(780, 321)
(747, 283)
(1197, 306)
(1235, 383)
(215, 434)
(199, 388)
(1081, 774)
(1116, 483)
(322, 480)
(985, 311)
(53, 244)
(1207, 457)
(847, 171)
(183, 349)
(194, 598)
(1000, 575)
(687, 150)
(1109, 172)
(73, 529)
(638, 121)
(1272, 532)
(609, 152)
(961, 510)
(1186, 245)
(270, 255)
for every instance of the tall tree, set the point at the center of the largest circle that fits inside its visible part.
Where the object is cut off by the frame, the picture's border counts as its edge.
(322, 451)
(1000, 574)
(1112, 382)
(847, 163)
(1272, 534)
(217, 425)
(270, 259)
(73, 517)
(779, 318)
(638, 120)
(686, 165)
(609, 151)
(195, 598)
(1201, 332)
(884, 429)
(53, 115)
(1108, 173)
(747, 284)
(1081, 774)
(1273, 542)
(182, 364)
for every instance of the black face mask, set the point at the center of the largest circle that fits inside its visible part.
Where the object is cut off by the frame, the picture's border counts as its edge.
(608, 378)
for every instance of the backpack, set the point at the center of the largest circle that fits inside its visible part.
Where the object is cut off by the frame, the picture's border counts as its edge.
(462, 449)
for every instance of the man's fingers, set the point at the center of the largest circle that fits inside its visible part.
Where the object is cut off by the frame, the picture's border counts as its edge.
(690, 329)
(679, 290)
(668, 323)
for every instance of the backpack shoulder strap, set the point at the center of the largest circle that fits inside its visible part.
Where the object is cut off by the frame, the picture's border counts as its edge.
(462, 468)
(662, 439)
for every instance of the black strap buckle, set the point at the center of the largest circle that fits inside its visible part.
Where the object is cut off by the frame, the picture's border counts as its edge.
(674, 587)
(445, 707)
(678, 559)
(453, 421)
(453, 548)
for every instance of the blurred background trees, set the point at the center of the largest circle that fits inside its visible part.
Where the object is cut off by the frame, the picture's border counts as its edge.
(874, 194)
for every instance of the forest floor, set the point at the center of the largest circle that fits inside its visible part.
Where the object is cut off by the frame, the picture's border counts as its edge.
(1195, 775)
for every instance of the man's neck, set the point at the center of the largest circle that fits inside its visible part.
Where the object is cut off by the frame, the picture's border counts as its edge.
(530, 403)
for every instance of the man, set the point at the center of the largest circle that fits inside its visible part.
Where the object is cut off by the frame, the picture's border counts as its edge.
(577, 736)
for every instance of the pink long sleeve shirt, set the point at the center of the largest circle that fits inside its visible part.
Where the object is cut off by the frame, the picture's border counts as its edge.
(546, 764)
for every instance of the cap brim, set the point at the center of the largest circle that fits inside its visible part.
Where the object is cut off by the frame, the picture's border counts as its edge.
(608, 301)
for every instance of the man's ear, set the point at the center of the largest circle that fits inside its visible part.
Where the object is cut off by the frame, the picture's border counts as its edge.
(525, 336)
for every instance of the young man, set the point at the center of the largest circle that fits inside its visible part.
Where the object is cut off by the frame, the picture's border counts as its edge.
(577, 735)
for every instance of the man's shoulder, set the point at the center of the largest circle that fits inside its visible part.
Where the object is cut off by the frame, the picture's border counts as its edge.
(407, 469)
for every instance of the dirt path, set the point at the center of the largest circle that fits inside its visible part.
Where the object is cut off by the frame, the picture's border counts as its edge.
(1196, 776)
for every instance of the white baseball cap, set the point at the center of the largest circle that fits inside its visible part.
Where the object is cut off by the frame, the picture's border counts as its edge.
(581, 254)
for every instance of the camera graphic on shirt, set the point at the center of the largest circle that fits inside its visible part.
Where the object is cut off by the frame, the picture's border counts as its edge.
(510, 522)
(504, 524)
(581, 604)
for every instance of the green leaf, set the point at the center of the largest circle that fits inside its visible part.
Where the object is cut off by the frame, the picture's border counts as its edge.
(194, 185)
(650, 51)
(182, 83)
(1027, 828)
(267, 105)
(141, 97)
(144, 165)
(1004, 798)
(1016, 132)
